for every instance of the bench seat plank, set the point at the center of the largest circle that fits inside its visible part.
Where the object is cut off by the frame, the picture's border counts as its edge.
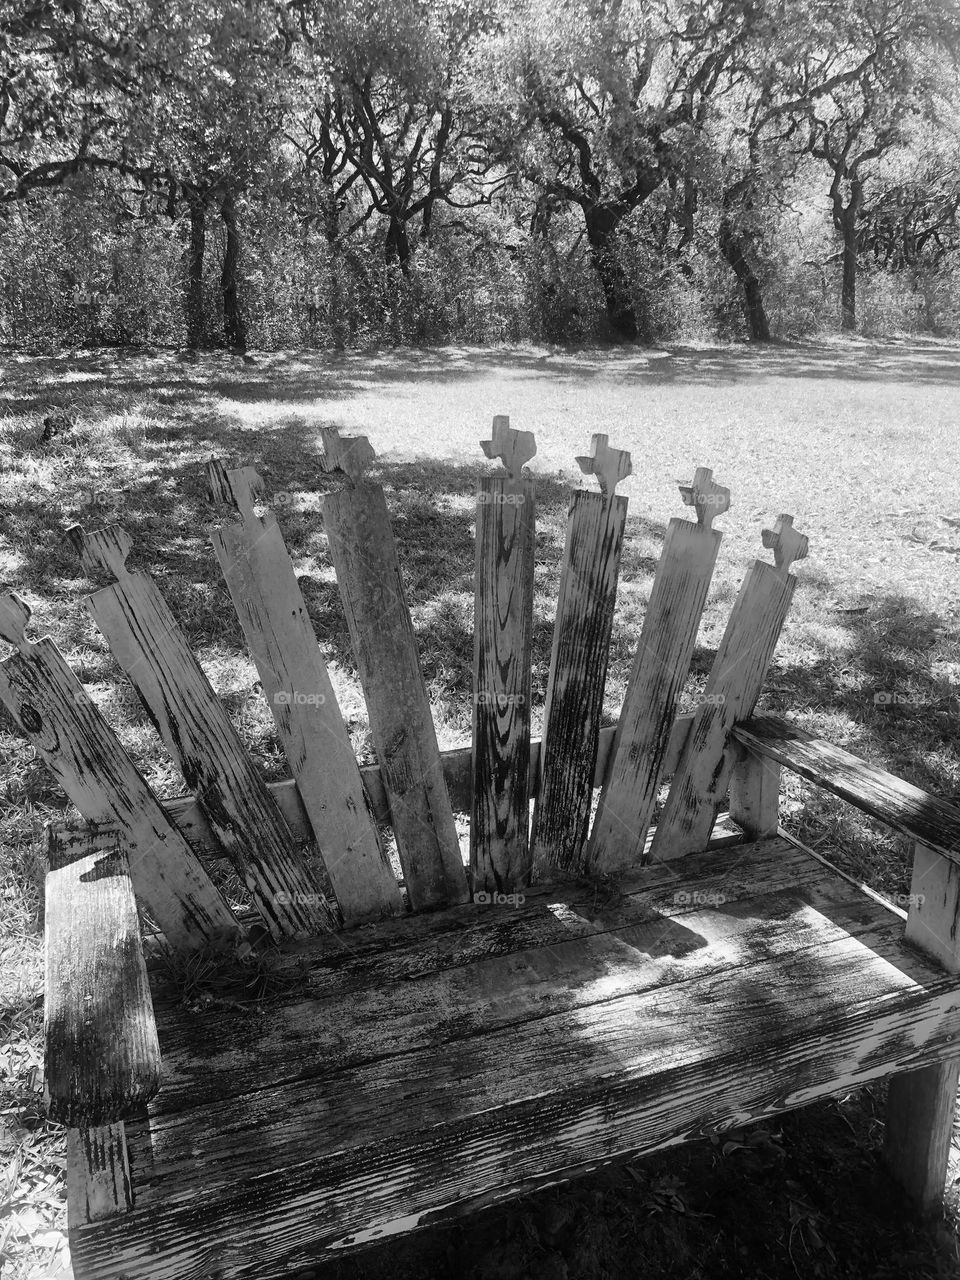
(754, 1005)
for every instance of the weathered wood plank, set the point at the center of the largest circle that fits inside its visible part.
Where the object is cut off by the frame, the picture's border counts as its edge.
(755, 794)
(271, 609)
(578, 666)
(913, 812)
(457, 765)
(60, 722)
(404, 736)
(500, 855)
(102, 1056)
(732, 689)
(659, 669)
(407, 1138)
(921, 1104)
(151, 648)
(98, 1174)
(516, 967)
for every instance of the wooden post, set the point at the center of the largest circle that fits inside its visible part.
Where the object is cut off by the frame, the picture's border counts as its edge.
(269, 603)
(197, 731)
(755, 794)
(503, 627)
(752, 631)
(578, 663)
(368, 573)
(659, 669)
(920, 1104)
(58, 719)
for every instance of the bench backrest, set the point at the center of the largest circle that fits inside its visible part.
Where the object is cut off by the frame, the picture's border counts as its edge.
(271, 832)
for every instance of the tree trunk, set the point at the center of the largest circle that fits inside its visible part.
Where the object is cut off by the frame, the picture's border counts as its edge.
(397, 247)
(848, 287)
(193, 300)
(601, 235)
(234, 328)
(735, 247)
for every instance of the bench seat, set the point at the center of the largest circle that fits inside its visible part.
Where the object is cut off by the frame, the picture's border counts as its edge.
(395, 1076)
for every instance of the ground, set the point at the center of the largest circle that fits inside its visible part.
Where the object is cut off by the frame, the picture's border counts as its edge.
(857, 440)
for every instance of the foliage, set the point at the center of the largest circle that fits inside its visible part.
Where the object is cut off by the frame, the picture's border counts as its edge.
(489, 170)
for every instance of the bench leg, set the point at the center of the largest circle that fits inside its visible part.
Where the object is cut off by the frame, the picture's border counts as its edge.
(98, 1174)
(921, 1103)
(755, 795)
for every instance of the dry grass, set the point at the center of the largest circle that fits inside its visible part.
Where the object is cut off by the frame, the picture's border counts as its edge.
(856, 440)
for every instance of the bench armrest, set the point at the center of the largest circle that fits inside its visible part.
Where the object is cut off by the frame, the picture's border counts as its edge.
(102, 1053)
(902, 806)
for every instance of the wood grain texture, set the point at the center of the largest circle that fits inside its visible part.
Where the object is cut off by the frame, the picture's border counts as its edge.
(549, 955)
(151, 648)
(921, 1104)
(913, 812)
(368, 573)
(755, 794)
(98, 1174)
(575, 685)
(457, 764)
(500, 855)
(102, 1056)
(732, 689)
(422, 1134)
(58, 719)
(276, 625)
(650, 703)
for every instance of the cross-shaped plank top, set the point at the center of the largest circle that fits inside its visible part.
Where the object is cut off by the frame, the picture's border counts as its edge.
(787, 544)
(105, 549)
(610, 466)
(513, 448)
(350, 455)
(707, 498)
(14, 616)
(235, 486)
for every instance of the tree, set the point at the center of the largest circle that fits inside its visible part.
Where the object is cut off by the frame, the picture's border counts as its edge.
(394, 130)
(607, 103)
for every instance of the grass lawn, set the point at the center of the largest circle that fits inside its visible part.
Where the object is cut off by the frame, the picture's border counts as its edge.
(857, 440)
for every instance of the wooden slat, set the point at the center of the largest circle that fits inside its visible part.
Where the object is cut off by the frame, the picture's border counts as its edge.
(98, 1175)
(102, 1059)
(578, 667)
(509, 966)
(416, 1137)
(906, 808)
(500, 855)
(61, 723)
(732, 689)
(659, 669)
(368, 573)
(271, 609)
(457, 764)
(196, 729)
(921, 1104)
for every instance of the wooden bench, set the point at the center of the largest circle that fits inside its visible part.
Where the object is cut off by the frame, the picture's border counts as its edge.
(348, 1053)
